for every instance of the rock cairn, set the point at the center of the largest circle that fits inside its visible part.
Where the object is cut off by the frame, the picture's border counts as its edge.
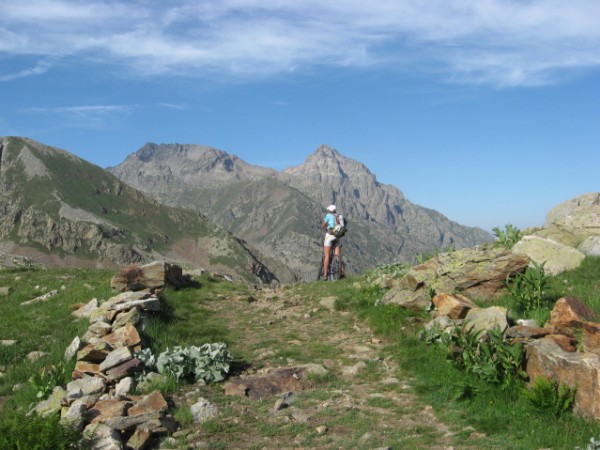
(99, 399)
(566, 349)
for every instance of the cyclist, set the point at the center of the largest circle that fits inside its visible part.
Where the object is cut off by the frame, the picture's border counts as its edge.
(328, 224)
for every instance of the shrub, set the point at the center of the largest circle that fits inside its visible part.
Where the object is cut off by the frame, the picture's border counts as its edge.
(552, 396)
(527, 288)
(486, 355)
(207, 363)
(508, 237)
(36, 433)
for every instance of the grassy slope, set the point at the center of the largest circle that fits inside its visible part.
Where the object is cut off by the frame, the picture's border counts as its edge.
(141, 221)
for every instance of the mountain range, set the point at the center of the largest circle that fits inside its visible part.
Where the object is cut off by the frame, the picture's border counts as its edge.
(280, 213)
(204, 207)
(59, 210)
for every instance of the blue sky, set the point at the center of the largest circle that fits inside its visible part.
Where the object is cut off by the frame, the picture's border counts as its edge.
(487, 111)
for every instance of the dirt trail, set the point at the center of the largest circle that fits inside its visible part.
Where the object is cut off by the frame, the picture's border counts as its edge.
(356, 400)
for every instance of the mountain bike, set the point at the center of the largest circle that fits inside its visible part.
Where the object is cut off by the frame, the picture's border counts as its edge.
(336, 270)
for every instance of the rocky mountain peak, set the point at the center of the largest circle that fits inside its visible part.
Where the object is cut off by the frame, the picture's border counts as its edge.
(193, 165)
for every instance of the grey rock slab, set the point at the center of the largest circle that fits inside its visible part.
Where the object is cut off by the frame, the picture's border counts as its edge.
(116, 357)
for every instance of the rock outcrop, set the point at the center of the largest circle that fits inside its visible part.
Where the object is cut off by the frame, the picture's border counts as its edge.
(571, 231)
(476, 272)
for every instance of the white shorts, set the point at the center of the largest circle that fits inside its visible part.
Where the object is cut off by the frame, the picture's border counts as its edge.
(329, 240)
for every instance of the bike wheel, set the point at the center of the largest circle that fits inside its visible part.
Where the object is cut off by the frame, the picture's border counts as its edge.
(320, 273)
(335, 268)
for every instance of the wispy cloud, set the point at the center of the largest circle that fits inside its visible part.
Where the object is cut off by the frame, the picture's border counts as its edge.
(498, 42)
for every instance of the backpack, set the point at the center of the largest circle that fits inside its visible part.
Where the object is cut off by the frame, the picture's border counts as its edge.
(340, 226)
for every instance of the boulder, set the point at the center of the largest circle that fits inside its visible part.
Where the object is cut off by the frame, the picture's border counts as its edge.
(475, 272)
(149, 276)
(590, 246)
(454, 306)
(486, 319)
(569, 314)
(545, 358)
(555, 256)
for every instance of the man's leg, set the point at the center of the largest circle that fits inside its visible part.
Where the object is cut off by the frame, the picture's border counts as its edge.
(326, 253)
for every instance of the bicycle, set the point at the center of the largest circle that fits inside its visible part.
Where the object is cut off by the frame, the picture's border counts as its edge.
(335, 271)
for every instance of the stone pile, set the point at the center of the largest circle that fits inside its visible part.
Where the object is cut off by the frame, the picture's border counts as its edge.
(566, 349)
(99, 399)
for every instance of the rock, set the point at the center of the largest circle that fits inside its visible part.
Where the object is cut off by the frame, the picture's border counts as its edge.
(5, 291)
(568, 344)
(474, 272)
(149, 276)
(414, 301)
(278, 382)
(126, 336)
(545, 358)
(107, 409)
(352, 371)
(151, 403)
(36, 355)
(590, 246)
(86, 367)
(52, 404)
(130, 422)
(569, 313)
(125, 297)
(74, 416)
(556, 257)
(486, 319)
(41, 298)
(86, 310)
(95, 352)
(95, 331)
(123, 387)
(149, 304)
(125, 369)
(72, 349)
(203, 410)
(140, 439)
(103, 437)
(87, 386)
(132, 317)
(7, 342)
(455, 306)
(526, 332)
(115, 358)
(591, 337)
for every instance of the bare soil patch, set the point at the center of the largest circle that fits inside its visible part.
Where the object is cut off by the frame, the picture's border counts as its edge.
(355, 397)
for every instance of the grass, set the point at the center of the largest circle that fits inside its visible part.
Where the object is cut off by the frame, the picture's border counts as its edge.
(189, 317)
(509, 420)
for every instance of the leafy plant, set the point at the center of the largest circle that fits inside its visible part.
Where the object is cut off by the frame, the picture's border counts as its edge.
(508, 237)
(207, 363)
(47, 379)
(550, 395)
(486, 355)
(527, 287)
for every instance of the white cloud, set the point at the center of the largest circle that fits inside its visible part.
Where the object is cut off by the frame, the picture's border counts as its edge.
(498, 42)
